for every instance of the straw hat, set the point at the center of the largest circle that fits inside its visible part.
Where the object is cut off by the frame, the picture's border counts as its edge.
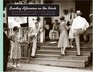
(78, 12)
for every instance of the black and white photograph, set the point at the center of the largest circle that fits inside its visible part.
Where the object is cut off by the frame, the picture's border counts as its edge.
(47, 35)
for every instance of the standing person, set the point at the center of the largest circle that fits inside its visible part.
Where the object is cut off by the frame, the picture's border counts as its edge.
(6, 43)
(54, 32)
(33, 35)
(15, 47)
(47, 30)
(78, 27)
(72, 15)
(63, 39)
(56, 25)
(66, 15)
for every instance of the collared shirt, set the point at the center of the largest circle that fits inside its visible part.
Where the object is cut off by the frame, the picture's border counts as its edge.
(34, 31)
(79, 22)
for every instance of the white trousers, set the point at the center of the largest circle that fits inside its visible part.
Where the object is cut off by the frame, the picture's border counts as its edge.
(77, 44)
(34, 47)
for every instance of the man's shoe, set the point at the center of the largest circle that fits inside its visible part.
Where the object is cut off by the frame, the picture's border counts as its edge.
(63, 54)
(33, 56)
(78, 55)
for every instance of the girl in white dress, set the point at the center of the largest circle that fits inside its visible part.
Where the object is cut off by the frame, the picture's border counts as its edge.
(63, 39)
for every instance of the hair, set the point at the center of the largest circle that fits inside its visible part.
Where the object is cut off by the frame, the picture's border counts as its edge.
(5, 25)
(56, 20)
(65, 11)
(36, 23)
(79, 14)
(15, 28)
(38, 19)
(71, 10)
(62, 18)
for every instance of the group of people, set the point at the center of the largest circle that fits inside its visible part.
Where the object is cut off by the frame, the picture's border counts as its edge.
(76, 27)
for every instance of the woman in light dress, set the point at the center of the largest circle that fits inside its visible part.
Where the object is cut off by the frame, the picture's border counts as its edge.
(63, 39)
(15, 47)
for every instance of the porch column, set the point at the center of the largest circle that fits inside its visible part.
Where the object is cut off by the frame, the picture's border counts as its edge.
(42, 36)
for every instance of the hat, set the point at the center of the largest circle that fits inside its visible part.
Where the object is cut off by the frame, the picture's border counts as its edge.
(78, 12)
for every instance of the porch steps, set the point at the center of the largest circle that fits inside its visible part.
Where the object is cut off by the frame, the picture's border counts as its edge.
(49, 54)
(60, 62)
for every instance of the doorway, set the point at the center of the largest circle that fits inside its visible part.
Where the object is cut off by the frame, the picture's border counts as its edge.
(84, 6)
(48, 22)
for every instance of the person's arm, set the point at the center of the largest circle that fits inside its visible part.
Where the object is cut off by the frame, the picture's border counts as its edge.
(31, 32)
(86, 25)
(73, 24)
(11, 38)
(60, 27)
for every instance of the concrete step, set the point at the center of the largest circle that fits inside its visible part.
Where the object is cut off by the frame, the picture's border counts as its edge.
(66, 57)
(49, 54)
(59, 62)
(72, 49)
(59, 51)
(67, 47)
(55, 44)
(56, 52)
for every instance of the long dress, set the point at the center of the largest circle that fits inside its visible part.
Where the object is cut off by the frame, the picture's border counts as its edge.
(63, 39)
(15, 47)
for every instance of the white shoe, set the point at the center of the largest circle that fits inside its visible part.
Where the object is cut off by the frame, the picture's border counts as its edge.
(72, 46)
(14, 66)
(18, 65)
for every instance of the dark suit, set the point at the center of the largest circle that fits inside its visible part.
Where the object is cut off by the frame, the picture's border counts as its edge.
(6, 46)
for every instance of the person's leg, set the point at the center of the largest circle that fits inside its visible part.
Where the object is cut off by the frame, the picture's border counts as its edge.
(29, 52)
(63, 51)
(34, 48)
(17, 62)
(14, 63)
(77, 44)
(71, 45)
(85, 36)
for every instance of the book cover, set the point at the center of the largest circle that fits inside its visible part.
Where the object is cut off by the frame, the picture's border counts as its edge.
(47, 35)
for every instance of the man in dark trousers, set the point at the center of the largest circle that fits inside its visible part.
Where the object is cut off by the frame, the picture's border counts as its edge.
(6, 46)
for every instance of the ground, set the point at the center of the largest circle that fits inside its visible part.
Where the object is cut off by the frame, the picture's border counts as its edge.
(41, 68)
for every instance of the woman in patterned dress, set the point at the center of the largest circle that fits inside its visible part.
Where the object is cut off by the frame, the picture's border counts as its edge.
(63, 39)
(15, 47)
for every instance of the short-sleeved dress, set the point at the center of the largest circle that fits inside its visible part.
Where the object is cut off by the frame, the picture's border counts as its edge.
(63, 39)
(15, 47)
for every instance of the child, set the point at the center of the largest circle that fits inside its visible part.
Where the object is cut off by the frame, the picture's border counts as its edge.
(63, 39)
(15, 48)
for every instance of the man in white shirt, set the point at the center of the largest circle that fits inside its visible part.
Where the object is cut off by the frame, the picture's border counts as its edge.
(78, 27)
(33, 35)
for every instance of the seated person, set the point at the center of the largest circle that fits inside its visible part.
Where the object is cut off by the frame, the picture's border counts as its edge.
(54, 34)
